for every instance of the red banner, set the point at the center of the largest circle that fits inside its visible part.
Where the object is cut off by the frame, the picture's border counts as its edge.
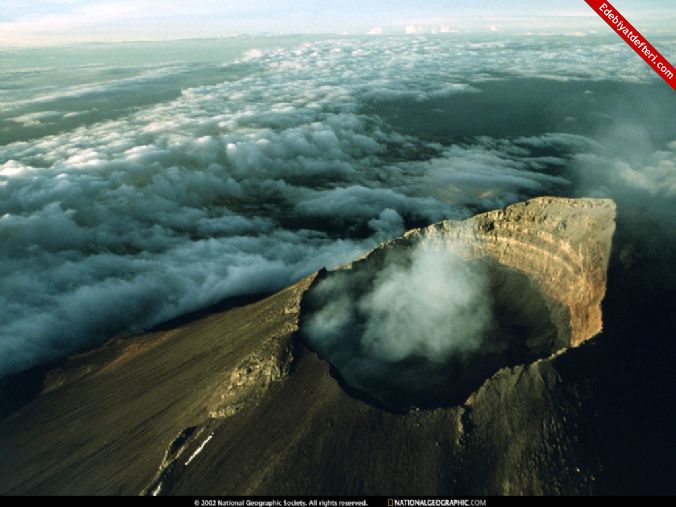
(637, 42)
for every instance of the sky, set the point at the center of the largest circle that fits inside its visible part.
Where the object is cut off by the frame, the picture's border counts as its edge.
(63, 21)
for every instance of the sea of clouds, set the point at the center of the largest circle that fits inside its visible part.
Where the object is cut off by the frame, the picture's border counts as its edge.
(152, 191)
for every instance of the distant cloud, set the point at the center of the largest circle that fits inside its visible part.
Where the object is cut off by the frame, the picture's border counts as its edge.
(420, 29)
(376, 30)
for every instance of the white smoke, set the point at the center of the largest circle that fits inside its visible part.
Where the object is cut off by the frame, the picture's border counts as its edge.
(437, 306)
(431, 304)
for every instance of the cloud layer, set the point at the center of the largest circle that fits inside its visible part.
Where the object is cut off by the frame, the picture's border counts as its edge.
(250, 174)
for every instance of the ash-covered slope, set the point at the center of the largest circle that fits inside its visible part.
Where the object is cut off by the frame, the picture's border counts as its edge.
(106, 418)
(236, 403)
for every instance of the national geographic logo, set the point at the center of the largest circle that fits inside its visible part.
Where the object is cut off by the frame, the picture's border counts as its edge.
(436, 502)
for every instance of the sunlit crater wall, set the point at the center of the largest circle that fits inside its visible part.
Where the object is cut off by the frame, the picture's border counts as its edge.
(562, 245)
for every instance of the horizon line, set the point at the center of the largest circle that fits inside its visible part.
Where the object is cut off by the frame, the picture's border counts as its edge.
(488, 33)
